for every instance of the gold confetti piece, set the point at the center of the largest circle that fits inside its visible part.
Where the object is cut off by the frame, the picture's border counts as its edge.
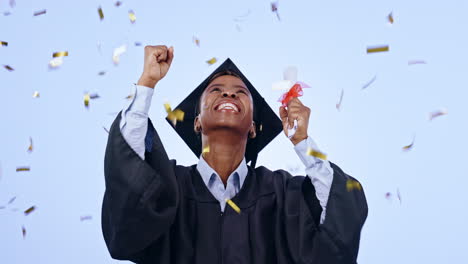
(118, 3)
(41, 12)
(317, 154)
(196, 41)
(4, 43)
(212, 61)
(101, 73)
(374, 49)
(86, 100)
(12, 200)
(174, 116)
(8, 67)
(131, 16)
(206, 150)
(60, 54)
(261, 127)
(36, 94)
(130, 96)
(369, 82)
(85, 217)
(352, 184)
(233, 205)
(101, 14)
(390, 18)
(30, 148)
(338, 105)
(29, 210)
(23, 231)
(55, 62)
(408, 147)
(412, 62)
(117, 52)
(25, 168)
(437, 113)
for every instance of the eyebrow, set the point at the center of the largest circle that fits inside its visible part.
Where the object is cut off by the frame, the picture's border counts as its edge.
(220, 84)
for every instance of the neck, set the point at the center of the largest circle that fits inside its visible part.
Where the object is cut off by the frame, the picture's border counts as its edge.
(226, 152)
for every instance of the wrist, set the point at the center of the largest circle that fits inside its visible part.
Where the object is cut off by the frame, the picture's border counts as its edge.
(147, 82)
(297, 139)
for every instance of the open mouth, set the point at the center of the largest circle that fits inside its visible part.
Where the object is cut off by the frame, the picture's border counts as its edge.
(227, 106)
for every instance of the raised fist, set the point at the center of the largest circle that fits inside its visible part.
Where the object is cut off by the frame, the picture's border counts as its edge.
(158, 60)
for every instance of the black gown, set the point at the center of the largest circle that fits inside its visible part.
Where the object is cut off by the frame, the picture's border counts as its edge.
(155, 211)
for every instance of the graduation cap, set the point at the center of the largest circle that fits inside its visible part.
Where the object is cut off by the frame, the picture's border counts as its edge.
(268, 125)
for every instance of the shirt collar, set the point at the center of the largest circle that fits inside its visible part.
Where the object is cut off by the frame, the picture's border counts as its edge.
(207, 172)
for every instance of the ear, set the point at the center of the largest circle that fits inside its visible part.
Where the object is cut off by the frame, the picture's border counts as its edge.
(197, 124)
(252, 130)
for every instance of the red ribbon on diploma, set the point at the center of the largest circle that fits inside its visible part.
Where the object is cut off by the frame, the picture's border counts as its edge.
(295, 91)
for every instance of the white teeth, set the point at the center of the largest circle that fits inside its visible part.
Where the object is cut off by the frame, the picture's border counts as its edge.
(228, 106)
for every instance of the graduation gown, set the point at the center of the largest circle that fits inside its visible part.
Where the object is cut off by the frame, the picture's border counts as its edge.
(157, 212)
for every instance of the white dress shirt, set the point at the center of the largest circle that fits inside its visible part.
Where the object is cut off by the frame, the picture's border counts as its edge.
(134, 126)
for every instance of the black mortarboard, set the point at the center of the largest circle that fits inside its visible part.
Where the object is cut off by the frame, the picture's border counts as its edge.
(267, 122)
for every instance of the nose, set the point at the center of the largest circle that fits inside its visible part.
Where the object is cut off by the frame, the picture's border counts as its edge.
(226, 94)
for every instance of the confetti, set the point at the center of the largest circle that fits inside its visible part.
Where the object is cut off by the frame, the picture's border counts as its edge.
(6, 13)
(206, 150)
(316, 153)
(118, 3)
(338, 105)
(369, 82)
(4, 43)
(8, 67)
(138, 44)
(437, 113)
(408, 147)
(174, 116)
(86, 100)
(105, 129)
(260, 128)
(375, 49)
(196, 41)
(388, 195)
(352, 184)
(274, 9)
(23, 231)
(233, 205)
(390, 18)
(101, 14)
(85, 217)
(41, 12)
(55, 62)
(30, 148)
(94, 96)
(212, 61)
(130, 96)
(413, 62)
(29, 210)
(12, 200)
(117, 52)
(60, 54)
(399, 195)
(131, 16)
(25, 168)
(36, 94)
(12, 3)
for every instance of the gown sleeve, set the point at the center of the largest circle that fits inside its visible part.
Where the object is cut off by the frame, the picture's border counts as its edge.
(336, 241)
(140, 200)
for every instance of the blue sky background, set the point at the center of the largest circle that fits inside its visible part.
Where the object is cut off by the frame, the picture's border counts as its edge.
(327, 42)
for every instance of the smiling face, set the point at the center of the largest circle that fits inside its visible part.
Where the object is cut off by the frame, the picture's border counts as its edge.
(226, 104)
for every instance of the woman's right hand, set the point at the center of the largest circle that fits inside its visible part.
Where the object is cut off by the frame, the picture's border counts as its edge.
(158, 60)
